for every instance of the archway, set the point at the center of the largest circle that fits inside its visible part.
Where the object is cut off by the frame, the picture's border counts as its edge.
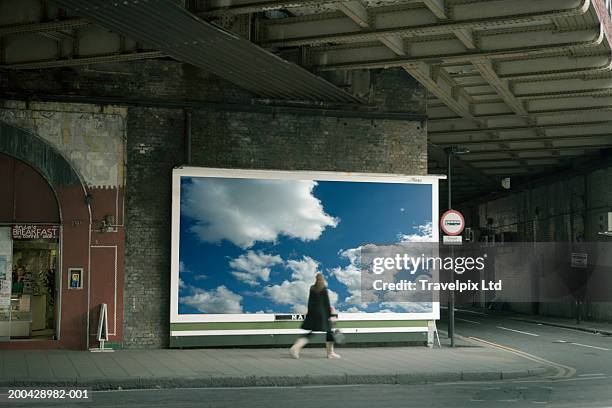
(30, 226)
(45, 214)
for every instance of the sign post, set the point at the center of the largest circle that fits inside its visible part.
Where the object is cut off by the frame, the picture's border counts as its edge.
(452, 224)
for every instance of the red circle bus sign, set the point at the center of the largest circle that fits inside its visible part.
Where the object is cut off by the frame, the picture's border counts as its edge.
(452, 222)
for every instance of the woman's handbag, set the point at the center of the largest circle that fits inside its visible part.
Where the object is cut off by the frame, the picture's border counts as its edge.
(338, 336)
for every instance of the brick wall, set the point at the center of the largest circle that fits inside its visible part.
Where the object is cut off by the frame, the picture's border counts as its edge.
(156, 144)
(234, 140)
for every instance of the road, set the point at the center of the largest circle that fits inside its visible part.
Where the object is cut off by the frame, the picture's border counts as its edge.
(586, 382)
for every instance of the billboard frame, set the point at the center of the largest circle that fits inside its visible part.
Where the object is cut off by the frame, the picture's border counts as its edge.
(187, 171)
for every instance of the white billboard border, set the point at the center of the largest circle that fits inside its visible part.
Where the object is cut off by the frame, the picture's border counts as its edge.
(186, 171)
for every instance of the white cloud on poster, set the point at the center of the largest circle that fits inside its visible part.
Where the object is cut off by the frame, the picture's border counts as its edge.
(219, 300)
(183, 269)
(350, 275)
(295, 292)
(423, 233)
(245, 211)
(253, 267)
(407, 307)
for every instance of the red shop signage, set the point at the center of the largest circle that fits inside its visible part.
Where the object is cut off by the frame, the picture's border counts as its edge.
(24, 231)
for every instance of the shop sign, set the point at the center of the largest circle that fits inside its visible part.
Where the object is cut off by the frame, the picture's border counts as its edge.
(25, 231)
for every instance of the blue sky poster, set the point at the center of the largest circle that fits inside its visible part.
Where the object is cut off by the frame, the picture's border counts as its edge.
(255, 245)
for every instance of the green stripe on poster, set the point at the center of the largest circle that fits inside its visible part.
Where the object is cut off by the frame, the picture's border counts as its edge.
(285, 340)
(292, 325)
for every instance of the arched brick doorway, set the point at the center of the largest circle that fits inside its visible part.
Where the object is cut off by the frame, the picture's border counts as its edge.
(47, 190)
(30, 235)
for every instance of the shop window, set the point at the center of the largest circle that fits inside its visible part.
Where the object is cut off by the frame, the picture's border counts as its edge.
(34, 289)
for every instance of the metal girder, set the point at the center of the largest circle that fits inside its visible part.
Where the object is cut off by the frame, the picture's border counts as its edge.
(570, 94)
(486, 69)
(361, 57)
(394, 42)
(356, 11)
(438, 154)
(533, 149)
(543, 154)
(566, 85)
(529, 164)
(514, 139)
(68, 62)
(435, 84)
(540, 113)
(466, 37)
(41, 27)
(562, 126)
(290, 38)
(437, 7)
(260, 6)
(176, 32)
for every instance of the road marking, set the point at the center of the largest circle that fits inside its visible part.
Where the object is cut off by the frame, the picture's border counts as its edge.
(518, 331)
(585, 375)
(469, 311)
(466, 320)
(595, 347)
(563, 371)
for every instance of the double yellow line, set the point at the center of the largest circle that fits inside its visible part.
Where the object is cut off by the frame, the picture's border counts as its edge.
(562, 371)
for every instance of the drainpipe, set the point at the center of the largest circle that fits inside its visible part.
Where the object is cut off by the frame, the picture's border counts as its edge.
(188, 136)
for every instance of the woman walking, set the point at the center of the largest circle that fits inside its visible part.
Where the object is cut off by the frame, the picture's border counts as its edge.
(317, 319)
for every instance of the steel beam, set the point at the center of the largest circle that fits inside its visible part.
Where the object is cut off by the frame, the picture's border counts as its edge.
(437, 154)
(43, 27)
(356, 11)
(513, 139)
(486, 69)
(367, 62)
(283, 39)
(70, 62)
(435, 84)
(437, 7)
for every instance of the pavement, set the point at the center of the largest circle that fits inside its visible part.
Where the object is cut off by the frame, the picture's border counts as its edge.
(501, 360)
(197, 368)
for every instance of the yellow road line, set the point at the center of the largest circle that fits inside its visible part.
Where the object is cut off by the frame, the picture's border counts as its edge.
(563, 371)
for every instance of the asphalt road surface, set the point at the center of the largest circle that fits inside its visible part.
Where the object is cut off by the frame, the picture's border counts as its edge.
(584, 379)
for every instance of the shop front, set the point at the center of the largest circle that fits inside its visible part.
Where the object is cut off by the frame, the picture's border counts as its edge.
(61, 248)
(30, 249)
(30, 284)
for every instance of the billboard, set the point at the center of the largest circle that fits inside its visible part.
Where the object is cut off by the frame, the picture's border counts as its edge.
(246, 244)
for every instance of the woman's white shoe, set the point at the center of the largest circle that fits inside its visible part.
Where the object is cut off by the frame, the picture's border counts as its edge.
(329, 345)
(297, 346)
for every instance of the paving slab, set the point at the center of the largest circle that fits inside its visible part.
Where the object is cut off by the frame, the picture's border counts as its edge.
(262, 367)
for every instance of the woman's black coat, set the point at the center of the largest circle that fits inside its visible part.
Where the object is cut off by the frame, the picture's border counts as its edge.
(319, 311)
